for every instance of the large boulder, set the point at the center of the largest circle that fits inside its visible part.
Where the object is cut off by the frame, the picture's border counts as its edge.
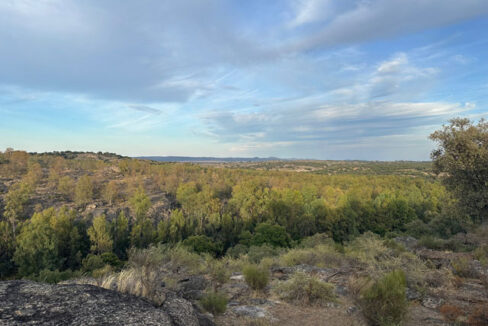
(27, 302)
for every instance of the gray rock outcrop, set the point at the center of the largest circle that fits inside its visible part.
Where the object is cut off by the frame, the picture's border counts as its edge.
(32, 303)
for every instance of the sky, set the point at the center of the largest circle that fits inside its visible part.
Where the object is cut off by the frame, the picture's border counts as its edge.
(321, 79)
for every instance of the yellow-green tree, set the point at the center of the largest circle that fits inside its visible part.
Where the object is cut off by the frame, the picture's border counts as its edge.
(15, 201)
(84, 190)
(99, 234)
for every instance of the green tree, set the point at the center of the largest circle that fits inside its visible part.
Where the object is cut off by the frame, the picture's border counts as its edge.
(120, 235)
(84, 190)
(36, 245)
(110, 192)
(462, 157)
(66, 186)
(140, 204)
(15, 200)
(274, 235)
(99, 234)
(7, 248)
(143, 233)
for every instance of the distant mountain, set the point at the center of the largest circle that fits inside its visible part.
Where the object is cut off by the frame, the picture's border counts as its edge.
(207, 159)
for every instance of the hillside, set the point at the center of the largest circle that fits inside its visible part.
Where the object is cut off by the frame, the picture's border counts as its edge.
(242, 240)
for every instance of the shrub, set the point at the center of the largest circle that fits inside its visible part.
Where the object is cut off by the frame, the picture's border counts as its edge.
(321, 256)
(315, 240)
(255, 254)
(462, 267)
(237, 251)
(219, 272)
(256, 277)
(111, 259)
(92, 262)
(48, 276)
(305, 289)
(481, 254)
(274, 235)
(203, 244)
(214, 302)
(384, 302)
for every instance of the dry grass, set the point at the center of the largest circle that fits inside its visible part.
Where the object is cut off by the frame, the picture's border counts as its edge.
(303, 289)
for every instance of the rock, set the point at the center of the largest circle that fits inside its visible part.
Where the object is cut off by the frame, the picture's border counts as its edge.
(181, 312)
(341, 290)
(432, 302)
(27, 302)
(250, 311)
(412, 294)
(192, 288)
(238, 277)
(352, 310)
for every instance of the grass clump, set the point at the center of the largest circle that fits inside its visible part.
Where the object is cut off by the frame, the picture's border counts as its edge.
(384, 302)
(214, 302)
(462, 267)
(219, 272)
(304, 289)
(256, 277)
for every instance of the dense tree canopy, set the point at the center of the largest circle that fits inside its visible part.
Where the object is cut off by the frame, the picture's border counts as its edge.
(462, 156)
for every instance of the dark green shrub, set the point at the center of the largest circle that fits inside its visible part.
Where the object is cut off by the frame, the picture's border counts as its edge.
(203, 244)
(48, 276)
(256, 277)
(272, 234)
(237, 251)
(306, 290)
(92, 262)
(214, 302)
(384, 302)
(111, 259)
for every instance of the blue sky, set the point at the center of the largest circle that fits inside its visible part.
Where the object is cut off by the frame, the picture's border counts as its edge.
(325, 79)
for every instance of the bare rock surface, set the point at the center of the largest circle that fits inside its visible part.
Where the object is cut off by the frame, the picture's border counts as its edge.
(32, 303)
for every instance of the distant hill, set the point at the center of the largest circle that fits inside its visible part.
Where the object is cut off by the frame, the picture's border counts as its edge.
(208, 159)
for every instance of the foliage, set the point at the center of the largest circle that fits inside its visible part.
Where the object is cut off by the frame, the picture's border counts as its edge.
(462, 156)
(99, 234)
(15, 201)
(56, 276)
(201, 244)
(49, 240)
(214, 302)
(256, 277)
(7, 249)
(274, 235)
(120, 233)
(384, 302)
(84, 190)
(304, 289)
(256, 254)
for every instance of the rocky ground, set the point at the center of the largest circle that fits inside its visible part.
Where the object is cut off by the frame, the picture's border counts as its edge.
(31, 303)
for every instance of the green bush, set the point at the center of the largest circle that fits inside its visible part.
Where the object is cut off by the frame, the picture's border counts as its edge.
(255, 254)
(203, 244)
(272, 234)
(48, 276)
(214, 302)
(462, 267)
(237, 251)
(92, 262)
(304, 289)
(219, 272)
(256, 276)
(111, 259)
(384, 302)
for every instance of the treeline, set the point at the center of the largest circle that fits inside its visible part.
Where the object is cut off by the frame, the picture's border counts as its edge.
(212, 210)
